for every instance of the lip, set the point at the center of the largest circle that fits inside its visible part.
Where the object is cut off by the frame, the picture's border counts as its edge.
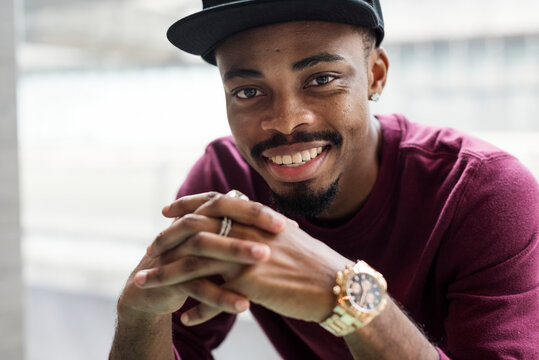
(299, 173)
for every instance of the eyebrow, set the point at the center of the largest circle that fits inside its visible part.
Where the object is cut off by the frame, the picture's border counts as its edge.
(315, 59)
(297, 66)
(243, 73)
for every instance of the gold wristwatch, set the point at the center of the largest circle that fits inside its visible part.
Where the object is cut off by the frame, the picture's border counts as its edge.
(361, 295)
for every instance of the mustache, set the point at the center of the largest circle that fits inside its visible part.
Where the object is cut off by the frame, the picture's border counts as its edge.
(279, 139)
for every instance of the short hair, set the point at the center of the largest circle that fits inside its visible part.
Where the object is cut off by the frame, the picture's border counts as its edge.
(368, 37)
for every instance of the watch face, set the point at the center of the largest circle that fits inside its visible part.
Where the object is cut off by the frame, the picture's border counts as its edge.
(364, 291)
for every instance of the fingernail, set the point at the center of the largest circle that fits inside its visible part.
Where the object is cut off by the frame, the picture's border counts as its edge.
(165, 209)
(185, 318)
(241, 305)
(259, 251)
(141, 277)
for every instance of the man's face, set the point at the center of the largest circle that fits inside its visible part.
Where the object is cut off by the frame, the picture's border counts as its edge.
(297, 104)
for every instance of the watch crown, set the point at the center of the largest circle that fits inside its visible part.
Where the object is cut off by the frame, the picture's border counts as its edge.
(336, 289)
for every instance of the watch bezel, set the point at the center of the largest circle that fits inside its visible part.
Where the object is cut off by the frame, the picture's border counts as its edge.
(344, 299)
(354, 301)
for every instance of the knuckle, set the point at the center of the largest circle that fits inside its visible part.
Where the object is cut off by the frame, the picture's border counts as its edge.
(168, 257)
(178, 204)
(159, 240)
(195, 288)
(158, 275)
(216, 201)
(235, 248)
(188, 264)
(197, 243)
(256, 209)
(210, 195)
(221, 300)
(188, 221)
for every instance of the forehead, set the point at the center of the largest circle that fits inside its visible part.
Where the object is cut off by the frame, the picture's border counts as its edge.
(293, 40)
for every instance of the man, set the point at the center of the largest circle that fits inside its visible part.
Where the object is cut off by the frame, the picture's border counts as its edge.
(449, 222)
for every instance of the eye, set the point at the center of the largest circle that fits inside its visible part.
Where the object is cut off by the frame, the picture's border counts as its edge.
(247, 93)
(321, 80)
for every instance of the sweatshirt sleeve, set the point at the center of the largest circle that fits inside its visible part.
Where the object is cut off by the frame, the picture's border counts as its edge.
(197, 342)
(491, 257)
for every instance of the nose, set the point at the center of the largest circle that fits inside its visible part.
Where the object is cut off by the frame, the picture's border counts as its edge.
(287, 113)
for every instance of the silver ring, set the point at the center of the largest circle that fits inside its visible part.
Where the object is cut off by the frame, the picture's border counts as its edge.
(226, 223)
(226, 226)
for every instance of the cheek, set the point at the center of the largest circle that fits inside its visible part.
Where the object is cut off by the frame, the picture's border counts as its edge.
(244, 137)
(355, 121)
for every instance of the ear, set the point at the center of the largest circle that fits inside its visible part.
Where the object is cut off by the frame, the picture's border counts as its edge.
(378, 67)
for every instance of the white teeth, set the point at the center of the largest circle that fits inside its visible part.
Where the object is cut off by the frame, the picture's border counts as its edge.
(287, 159)
(298, 158)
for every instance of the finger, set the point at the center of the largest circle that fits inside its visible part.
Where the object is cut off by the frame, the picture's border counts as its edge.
(187, 204)
(230, 249)
(182, 270)
(213, 300)
(181, 230)
(202, 313)
(245, 212)
(199, 314)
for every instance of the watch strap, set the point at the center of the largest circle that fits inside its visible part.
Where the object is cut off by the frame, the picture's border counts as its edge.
(341, 323)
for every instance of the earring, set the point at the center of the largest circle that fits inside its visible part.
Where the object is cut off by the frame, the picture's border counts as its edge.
(375, 97)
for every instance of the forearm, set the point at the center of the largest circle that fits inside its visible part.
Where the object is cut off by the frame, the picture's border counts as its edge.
(391, 335)
(141, 338)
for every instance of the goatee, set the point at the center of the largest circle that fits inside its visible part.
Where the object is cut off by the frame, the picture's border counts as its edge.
(302, 201)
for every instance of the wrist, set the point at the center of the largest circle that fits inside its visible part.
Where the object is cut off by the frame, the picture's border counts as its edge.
(129, 316)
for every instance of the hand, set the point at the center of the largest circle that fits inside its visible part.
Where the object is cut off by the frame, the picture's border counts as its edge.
(298, 277)
(169, 273)
(206, 204)
(297, 280)
(143, 299)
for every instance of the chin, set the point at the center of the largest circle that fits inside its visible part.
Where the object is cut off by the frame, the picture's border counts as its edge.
(301, 199)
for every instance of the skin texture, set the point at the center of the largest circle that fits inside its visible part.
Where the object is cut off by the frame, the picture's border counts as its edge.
(280, 80)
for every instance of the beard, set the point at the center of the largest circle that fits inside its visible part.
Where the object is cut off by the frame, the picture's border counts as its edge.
(302, 201)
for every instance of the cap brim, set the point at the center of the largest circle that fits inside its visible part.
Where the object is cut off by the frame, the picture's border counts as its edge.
(200, 33)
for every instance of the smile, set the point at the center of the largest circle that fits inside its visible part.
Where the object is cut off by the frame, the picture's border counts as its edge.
(297, 158)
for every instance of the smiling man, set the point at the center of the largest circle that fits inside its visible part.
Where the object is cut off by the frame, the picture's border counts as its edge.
(360, 229)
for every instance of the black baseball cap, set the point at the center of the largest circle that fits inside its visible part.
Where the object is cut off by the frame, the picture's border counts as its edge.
(202, 32)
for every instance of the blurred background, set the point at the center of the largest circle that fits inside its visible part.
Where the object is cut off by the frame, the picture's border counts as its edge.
(110, 117)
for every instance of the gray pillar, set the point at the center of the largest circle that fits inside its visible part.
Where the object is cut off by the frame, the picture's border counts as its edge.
(11, 308)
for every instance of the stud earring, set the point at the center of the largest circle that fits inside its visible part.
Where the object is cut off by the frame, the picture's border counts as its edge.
(375, 97)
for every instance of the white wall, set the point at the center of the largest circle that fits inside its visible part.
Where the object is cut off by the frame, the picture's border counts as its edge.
(10, 263)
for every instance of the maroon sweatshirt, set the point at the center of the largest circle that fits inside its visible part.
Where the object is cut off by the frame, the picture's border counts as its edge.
(452, 224)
